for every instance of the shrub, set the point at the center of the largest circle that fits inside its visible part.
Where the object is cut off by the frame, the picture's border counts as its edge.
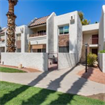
(91, 58)
(102, 51)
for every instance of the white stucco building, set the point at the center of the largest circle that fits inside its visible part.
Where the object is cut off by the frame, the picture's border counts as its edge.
(58, 41)
(21, 33)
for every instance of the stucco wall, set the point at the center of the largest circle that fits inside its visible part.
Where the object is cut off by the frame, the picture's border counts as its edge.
(101, 58)
(50, 33)
(79, 39)
(102, 30)
(24, 31)
(66, 60)
(37, 40)
(30, 60)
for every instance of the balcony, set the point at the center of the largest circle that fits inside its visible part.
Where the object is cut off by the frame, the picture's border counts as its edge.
(93, 42)
(36, 35)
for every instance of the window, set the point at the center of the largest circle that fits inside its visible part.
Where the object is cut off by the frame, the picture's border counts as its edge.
(64, 49)
(94, 51)
(18, 36)
(42, 32)
(19, 50)
(39, 50)
(64, 29)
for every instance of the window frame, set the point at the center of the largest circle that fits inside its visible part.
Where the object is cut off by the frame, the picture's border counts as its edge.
(63, 33)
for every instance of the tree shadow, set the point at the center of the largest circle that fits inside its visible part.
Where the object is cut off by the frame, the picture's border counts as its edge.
(54, 85)
(43, 94)
(16, 92)
(75, 88)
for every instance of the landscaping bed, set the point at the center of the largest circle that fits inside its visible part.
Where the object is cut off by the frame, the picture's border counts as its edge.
(16, 94)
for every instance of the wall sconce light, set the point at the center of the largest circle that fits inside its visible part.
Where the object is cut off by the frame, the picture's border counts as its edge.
(72, 20)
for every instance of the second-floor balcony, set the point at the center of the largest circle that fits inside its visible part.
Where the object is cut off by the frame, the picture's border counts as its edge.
(36, 35)
(39, 33)
(93, 42)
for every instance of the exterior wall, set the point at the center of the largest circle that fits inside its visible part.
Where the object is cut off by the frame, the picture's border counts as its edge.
(75, 30)
(63, 40)
(66, 60)
(79, 39)
(50, 33)
(90, 27)
(101, 58)
(102, 30)
(24, 31)
(30, 60)
(37, 40)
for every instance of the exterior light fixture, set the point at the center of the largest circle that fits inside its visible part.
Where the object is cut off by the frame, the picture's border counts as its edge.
(86, 46)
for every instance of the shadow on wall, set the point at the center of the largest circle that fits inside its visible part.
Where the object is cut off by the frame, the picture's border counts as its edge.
(69, 59)
(41, 96)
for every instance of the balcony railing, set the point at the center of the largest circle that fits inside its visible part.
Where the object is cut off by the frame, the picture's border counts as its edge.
(93, 41)
(35, 35)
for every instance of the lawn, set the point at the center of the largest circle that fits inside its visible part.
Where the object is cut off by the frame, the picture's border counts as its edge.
(16, 94)
(10, 70)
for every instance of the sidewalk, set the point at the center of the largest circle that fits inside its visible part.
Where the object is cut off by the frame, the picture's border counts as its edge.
(66, 81)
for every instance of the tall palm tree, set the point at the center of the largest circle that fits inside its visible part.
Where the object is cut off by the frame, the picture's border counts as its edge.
(11, 26)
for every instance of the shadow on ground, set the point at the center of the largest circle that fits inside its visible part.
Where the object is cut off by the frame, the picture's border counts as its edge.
(42, 95)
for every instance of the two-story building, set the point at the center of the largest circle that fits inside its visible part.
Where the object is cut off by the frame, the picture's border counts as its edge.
(56, 42)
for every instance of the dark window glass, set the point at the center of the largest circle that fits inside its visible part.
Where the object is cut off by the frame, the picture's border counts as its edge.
(64, 49)
(42, 32)
(60, 30)
(44, 50)
(19, 50)
(39, 50)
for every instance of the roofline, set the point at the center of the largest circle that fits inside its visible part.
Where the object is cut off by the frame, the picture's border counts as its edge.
(35, 26)
(90, 27)
(37, 19)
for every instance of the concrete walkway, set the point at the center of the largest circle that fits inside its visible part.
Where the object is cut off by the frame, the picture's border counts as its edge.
(66, 81)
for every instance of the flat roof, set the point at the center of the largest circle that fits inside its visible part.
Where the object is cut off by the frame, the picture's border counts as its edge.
(90, 27)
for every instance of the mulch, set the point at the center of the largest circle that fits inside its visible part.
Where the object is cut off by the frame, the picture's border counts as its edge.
(93, 74)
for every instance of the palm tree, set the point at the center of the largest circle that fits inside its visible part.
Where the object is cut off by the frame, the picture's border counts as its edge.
(11, 26)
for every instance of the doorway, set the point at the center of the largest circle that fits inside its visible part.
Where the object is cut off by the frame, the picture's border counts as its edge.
(95, 51)
(52, 61)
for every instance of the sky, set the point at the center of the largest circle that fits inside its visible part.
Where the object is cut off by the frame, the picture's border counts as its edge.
(27, 10)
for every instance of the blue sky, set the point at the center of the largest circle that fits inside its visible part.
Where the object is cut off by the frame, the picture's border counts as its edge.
(27, 10)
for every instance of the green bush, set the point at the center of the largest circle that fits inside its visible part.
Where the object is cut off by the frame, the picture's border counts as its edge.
(102, 51)
(91, 58)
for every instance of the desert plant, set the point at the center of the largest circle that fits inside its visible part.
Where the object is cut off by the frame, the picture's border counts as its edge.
(91, 58)
(102, 51)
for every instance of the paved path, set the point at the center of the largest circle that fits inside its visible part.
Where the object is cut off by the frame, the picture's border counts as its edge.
(62, 80)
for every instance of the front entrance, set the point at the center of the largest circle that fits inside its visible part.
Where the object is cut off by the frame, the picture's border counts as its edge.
(95, 51)
(52, 61)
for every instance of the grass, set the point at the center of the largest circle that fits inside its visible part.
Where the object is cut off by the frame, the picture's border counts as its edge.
(16, 94)
(10, 70)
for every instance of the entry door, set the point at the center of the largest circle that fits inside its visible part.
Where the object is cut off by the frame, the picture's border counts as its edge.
(94, 39)
(95, 51)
